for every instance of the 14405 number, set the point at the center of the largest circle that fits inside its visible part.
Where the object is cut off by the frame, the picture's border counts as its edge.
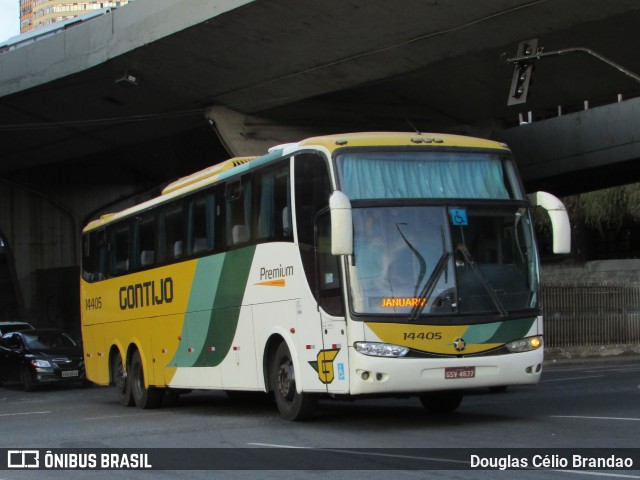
(422, 336)
(93, 303)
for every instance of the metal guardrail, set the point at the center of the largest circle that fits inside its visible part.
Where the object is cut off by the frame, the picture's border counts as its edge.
(591, 315)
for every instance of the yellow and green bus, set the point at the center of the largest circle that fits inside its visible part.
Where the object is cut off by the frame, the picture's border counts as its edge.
(340, 266)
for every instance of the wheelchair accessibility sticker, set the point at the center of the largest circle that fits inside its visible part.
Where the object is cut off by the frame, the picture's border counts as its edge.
(459, 216)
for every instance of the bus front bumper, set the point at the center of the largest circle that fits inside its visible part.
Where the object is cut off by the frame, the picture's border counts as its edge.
(377, 375)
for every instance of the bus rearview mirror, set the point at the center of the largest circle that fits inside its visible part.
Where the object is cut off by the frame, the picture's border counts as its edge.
(560, 224)
(341, 224)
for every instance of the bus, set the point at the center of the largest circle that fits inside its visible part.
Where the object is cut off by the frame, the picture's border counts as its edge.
(342, 266)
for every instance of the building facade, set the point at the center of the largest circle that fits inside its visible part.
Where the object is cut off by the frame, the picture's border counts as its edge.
(40, 13)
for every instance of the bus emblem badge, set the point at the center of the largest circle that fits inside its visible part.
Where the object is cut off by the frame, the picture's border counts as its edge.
(459, 344)
(324, 365)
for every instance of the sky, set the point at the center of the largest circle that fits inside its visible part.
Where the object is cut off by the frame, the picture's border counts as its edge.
(9, 19)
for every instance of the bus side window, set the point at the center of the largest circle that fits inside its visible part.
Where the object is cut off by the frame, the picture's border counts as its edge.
(93, 255)
(312, 190)
(119, 249)
(201, 230)
(171, 233)
(273, 204)
(238, 211)
(328, 269)
(145, 240)
(218, 218)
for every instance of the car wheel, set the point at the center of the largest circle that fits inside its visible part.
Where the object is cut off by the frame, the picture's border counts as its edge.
(27, 380)
(143, 397)
(121, 381)
(291, 404)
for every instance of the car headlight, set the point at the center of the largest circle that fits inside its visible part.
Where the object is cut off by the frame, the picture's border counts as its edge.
(376, 349)
(525, 344)
(40, 363)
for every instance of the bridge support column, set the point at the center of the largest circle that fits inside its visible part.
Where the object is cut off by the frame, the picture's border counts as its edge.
(245, 135)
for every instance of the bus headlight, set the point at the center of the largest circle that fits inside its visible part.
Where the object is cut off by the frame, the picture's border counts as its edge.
(375, 349)
(525, 344)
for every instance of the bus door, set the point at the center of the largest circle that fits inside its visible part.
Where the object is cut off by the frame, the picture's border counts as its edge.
(312, 188)
(333, 359)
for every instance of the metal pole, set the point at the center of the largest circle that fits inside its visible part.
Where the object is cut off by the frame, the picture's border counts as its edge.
(541, 54)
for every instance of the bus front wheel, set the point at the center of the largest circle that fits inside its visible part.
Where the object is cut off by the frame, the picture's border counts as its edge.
(121, 381)
(441, 402)
(291, 404)
(143, 397)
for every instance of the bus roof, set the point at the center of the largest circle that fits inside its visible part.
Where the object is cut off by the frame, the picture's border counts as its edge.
(208, 172)
(235, 165)
(392, 139)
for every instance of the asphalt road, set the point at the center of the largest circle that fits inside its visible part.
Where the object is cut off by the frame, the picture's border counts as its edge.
(587, 404)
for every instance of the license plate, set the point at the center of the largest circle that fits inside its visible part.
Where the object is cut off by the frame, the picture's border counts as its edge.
(452, 373)
(70, 373)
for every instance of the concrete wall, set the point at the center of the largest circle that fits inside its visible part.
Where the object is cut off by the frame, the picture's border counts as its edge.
(600, 272)
(593, 272)
(42, 225)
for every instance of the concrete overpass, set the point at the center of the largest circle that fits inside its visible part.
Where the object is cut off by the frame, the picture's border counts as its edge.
(102, 111)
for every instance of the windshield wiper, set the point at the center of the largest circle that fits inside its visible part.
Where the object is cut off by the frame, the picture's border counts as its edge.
(421, 260)
(428, 288)
(483, 280)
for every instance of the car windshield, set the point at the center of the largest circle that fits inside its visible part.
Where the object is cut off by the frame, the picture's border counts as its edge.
(48, 340)
(436, 260)
(14, 327)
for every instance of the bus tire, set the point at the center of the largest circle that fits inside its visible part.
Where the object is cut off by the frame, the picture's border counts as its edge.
(291, 404)
(441, 402)
(143, 397)
(121, 381)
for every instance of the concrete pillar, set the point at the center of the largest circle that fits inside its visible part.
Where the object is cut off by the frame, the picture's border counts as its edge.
(247, 135)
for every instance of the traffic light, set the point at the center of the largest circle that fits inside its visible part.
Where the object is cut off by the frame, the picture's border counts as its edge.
(522, 71)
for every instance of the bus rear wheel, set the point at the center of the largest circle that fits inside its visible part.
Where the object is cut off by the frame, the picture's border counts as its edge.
(291, 404)
(441, 402)
(143, 397)
(121, 381)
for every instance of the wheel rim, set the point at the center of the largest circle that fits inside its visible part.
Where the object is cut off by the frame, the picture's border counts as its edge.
(120, 375)
(286, 380)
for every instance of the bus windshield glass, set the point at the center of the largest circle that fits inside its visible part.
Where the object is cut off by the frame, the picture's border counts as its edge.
(427, 174)
(416, 261)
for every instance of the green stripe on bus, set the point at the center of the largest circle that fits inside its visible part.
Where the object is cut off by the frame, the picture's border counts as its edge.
(214, 309)
(498, 332)
(481, 333)
(226, 306)
(512, 330)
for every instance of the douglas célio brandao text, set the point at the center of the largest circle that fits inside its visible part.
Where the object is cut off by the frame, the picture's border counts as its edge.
(572, 461)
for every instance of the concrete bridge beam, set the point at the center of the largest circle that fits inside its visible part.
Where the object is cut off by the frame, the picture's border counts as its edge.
(584, 150)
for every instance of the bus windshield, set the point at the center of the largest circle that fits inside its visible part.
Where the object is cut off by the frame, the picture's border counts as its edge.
(424, 260)
(411, 174)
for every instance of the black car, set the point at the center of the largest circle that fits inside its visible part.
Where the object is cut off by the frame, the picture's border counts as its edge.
(6, 327)
(41, 356)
